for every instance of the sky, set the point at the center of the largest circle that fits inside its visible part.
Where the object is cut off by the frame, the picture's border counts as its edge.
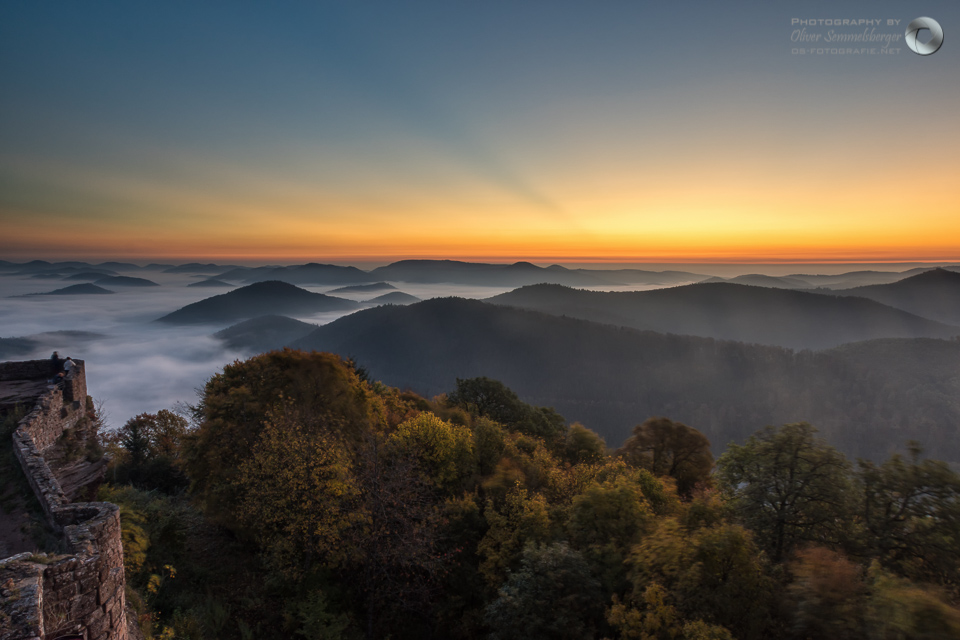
(587, 131)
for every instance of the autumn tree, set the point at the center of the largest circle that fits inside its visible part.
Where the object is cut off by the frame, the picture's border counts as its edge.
(714, 574)
(299, 497)
(669, 448)
(320, 388)
(443, 452)
(789, 487)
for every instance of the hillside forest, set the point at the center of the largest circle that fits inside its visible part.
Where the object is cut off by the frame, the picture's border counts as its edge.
(300, 498)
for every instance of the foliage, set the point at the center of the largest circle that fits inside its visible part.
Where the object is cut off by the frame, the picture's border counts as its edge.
(788, 486)
(493, 399)
(148, 451)
(669, 448)
(299, 495)
(553, 596)
(319, 387)
(911, 517)
(443, 451)
(715, 574)
(583, 445)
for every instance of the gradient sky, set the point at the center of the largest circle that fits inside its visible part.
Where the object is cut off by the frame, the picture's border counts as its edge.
(620, 130)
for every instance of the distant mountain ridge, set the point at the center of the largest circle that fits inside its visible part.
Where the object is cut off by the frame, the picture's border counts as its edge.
(727, 311)
(933, 294)
(251, 301)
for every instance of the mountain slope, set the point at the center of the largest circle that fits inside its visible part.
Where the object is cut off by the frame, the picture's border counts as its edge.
(73, 290)
(612, 378)
(933, 294)
(251, 301)
(265, 333)
(125, 281)
(794, 319)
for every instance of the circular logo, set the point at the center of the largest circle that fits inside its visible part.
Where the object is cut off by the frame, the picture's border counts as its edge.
(924, 48)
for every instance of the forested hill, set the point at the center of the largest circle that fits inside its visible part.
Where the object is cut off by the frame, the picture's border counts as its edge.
(933, 294)
(866, 399)
(795, 319)
(251, 301)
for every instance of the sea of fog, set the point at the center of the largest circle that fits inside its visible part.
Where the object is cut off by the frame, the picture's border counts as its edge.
(134, 364)
(137, 365)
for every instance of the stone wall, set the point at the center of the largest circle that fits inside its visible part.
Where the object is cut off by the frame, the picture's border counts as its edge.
(81, 591)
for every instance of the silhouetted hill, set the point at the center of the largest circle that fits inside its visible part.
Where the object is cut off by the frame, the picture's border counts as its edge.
(365, 288)
(476, 273)
(126, 281)
(196, 267)
(933, 294)
(49, 340)
(265, 333)
(795, 319)
(73, 290)
(394, 297)
(88, 276)
(311, 273)
(760, 280)
(211, 282)
(865, 398)
(120, 266)
(251, 301)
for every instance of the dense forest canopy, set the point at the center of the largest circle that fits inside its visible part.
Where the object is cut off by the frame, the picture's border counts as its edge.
(301, 498)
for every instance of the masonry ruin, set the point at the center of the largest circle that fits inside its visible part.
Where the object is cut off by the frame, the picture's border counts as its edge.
(76, 591)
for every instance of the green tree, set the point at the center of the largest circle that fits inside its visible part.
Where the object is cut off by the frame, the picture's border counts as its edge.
(604, 522)
(493, 399)
(669, 448)
(552, 596)
(583, 445)
(152, 454)
(789, 487)
(911, 517)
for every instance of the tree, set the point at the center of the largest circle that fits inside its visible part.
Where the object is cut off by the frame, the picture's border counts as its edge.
(299, 497)
(493, 399)
(552, 596)
(911, 517)
(583, 445)
(152, 451)
(443, 451)
(320, 388)
(605, 521)
(714, 574)
(789, 487)
(669, 448)
(827, 595)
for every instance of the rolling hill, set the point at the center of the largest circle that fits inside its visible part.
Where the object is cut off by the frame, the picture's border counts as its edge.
(251, 301)
(74, 290)
(865, 398)
(933, 294)
(125, 281)
(782, 317)
(264, 333)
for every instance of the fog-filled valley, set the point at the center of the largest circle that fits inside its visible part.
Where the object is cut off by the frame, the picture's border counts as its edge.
(865, 354)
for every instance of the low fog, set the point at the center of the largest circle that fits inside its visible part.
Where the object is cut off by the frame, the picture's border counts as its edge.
(135, 365)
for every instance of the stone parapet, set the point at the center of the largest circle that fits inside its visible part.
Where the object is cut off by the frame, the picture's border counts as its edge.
(82, 591)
